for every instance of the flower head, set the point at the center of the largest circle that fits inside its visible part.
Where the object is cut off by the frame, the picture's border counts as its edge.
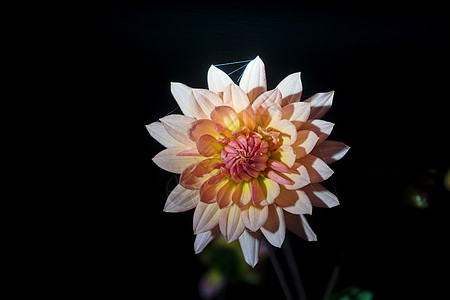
(250, 159)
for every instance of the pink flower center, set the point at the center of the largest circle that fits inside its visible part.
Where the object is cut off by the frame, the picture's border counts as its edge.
(244, 156)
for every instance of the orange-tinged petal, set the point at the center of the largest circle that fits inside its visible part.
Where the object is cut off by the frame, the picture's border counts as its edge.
(249, 118)
(207, 145)
(176, 126)
(242, 194)
(218, 80)
(306, 140)
(330, 151)
(182, 93)
(320, 127)
(284, 154)
(291, 88)
(320, 104)
(318, 170)
(275, 229)
(230, 222)
(196, 174)
(294, 201)
(225, 193)
(169, 161)
(235, 97)
(299, 175)
(253, 80)
(206, 217)
(226, 116)
(320, 196)
(250, 243)
(201, 127)
(297, 113)
(159, 133)
(279, 178)
(267, 99)
(208, 192)
(181, 199)
(298, 225)
(254, 216)
(204, 238)
(288, 131)
(270, 189)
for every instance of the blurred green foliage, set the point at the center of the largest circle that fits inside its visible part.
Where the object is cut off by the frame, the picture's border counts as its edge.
(352, 293)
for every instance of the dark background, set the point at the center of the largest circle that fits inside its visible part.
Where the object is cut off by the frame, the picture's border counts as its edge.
(389, 67)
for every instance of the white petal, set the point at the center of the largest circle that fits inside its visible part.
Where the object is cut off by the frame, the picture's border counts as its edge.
(330, 151)
(203, 239)
(235, 97)
(250, 244)
(169, 161)
(253, 80)
(177, 126)
(297, 113)
(182, 199)
(291, 88)
(230, 222)
(206, 217)
(298, 225)
(320, 104)
(320, 127)
(320, 196)
(275, 229)
(218, 80)
(318, 170)
(159, 133)
(206, 101)
(181, 93)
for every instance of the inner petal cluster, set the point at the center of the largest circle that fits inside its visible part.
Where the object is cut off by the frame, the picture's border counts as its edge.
(245, 156)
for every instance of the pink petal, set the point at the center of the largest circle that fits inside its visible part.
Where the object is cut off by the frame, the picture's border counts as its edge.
(207, 145)
(250, 244)
(226, 116)
(208, 192)
(218, 80)
(297, 113)
(249, 118)
(270, 189)
(291, 88)
(318, 170)
(159, 133)
(253, 81)
(206, 217)
(294, 201)
(269, 117)
(279, 178)
(176, 126)
(235, 97)
(204, 238)
(320, 104)
(320, 196)
(330, 151)
(275, 229)
(254, 216)
(320, 127)
(298, 225)
(305, 143)
(196, 174)
(169, 161)
(201, 127)
(182, 93)
(181, 199)
(230, 222)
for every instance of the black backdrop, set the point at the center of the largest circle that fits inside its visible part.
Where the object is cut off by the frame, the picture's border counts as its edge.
(389, 68)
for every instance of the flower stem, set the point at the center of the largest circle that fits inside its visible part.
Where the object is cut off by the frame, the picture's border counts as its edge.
(279, 271)
(292, 265)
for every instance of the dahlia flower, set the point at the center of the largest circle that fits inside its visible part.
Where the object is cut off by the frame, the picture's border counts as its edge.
(250, 159)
